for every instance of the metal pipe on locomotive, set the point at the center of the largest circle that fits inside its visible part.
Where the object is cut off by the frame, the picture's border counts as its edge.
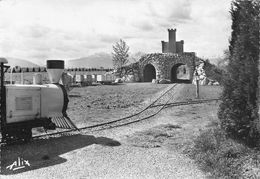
(24, 107)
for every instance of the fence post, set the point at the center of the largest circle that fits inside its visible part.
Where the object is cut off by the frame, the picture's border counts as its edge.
(197, 85)
(197, 89)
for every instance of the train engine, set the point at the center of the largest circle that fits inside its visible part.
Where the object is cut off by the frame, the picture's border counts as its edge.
(24, 107)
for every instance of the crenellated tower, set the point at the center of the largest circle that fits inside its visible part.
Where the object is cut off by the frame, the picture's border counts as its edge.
(172, 46)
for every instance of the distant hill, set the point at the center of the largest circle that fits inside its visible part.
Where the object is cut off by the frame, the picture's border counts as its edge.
(20, 62)
(96, 60)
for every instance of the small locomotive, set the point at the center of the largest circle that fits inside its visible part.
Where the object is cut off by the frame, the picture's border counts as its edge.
(24, 107)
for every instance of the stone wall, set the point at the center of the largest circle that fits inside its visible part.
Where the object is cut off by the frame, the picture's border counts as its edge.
(179, 46)
(131, 73)
(164, 62)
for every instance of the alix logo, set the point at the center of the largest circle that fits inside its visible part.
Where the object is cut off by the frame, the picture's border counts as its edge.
(18, 164)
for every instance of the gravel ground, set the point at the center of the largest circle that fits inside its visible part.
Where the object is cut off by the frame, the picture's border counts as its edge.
(110, 154)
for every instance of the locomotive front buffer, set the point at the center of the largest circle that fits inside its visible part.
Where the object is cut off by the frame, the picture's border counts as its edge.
(24, 107)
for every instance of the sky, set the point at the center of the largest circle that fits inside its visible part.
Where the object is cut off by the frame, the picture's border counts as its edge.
(37, 30)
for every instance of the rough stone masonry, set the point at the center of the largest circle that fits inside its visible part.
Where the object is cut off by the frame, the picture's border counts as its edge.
(163, 66)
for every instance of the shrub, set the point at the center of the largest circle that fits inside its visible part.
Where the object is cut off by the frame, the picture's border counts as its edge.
(213, 72)
(217, 154)
(238, 111)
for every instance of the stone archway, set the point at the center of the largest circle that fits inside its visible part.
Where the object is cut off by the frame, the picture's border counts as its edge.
(180, 75)
(161, 64)
(149, 73)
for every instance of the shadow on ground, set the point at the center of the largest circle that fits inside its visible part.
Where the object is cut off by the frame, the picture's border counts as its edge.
(46, 152)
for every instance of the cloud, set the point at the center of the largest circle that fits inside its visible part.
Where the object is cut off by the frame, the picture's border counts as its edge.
(108, 38)
(178, 11)
(143, 25)
(35, 31)
(40, 29)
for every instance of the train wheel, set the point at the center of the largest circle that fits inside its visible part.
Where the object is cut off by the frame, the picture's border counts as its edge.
(12, 136)
(17, 136)
(26, 134)
(7, 137)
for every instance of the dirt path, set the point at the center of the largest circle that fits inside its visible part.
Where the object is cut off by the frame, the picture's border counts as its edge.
(124, 152)
(108, 155)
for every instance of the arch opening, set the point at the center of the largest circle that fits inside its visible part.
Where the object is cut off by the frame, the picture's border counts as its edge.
(149, 73)
(180, 73)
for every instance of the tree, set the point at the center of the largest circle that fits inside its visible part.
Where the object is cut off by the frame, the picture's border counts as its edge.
(136, 56)
(223, 62)
(238, 111)
(120, 56)
(213, 72)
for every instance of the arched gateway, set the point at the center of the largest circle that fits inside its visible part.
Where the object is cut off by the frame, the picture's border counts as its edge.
(173, 64)
(149, 73)
(166, 65)
(180, 73)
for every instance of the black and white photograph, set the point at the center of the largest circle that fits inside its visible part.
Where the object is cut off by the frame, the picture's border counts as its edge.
(129, 89)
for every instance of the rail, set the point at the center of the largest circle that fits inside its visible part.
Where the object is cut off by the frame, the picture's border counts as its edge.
(163, 101)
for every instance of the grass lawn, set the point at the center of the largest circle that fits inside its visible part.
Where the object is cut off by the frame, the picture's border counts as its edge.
(102, 103)
(107, 102)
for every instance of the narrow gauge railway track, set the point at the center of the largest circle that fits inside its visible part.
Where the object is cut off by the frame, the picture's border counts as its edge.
(181, 103)
(163, 101)
(158, 103)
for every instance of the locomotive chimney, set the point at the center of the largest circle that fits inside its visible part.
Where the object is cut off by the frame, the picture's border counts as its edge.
(55, 69)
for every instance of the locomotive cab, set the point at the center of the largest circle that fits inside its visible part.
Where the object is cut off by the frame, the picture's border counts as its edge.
(30, 106)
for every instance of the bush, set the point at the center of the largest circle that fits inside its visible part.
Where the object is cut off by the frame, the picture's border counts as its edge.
(238, 111)
(213, 72)
(217, 154)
